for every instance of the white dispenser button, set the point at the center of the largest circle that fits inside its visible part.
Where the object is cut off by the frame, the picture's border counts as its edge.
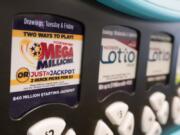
(155, 129)
(70, 132)
(163, 113)
(49, 126)
(102, 129)
(148, 118)
(156, 100)
(176, 110)
(116, 112)
(127, 125)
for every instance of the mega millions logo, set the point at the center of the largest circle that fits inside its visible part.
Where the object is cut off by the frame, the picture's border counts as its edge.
(43, 55)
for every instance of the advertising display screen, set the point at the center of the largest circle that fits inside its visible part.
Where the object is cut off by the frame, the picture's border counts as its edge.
(119, 52)
(158, 65)
(45, 62)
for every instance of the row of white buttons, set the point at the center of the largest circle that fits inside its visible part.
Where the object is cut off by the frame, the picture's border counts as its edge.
(50, 126)
(149, 125)
(118, 115)
(160, 106)
(125, 128)
(127, 125)
(116, 112)
(156, 100)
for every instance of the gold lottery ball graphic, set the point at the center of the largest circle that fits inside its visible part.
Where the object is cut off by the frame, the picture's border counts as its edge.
(36, 50)
(22, 75)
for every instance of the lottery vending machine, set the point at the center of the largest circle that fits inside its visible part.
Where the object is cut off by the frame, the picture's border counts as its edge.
(90, 67)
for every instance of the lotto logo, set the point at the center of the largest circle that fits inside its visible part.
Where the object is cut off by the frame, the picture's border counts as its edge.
(22, 75)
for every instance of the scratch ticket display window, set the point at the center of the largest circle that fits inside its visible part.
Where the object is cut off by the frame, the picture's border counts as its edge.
(158, 65)
(45, 62)
(118, 62)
